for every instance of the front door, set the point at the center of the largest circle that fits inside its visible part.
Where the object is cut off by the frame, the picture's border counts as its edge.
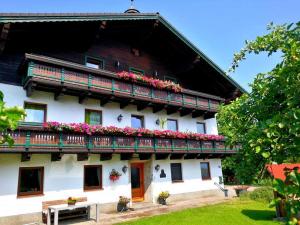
(137, 181)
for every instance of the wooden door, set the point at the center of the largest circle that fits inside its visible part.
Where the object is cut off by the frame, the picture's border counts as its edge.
(137, 181)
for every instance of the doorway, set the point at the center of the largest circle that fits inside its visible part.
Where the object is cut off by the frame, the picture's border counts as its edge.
(137, 182)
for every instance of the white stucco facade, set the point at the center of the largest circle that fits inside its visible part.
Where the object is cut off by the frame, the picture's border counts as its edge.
(64, 178)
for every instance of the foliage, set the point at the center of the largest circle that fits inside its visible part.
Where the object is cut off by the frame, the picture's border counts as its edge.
(290, 194)
(157, 83)
(237, 212)
(263, 194)
(128, 131)
(9, 118)
(164, 195)
(266, 122)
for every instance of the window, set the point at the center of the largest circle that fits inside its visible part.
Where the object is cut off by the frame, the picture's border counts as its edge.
(173, 79)
(201, 128)
(93, 117)
(172, 125)
(92, 177)
(205, 171)
(30, 181)
(176, 172)
(136, 71)
(35, 112)
(94, 63)
(137, 121)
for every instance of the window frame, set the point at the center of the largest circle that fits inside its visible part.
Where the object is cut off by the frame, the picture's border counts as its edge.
(176, 181)
(93, 110)
(175, 121)
(142, 117)
(204, 127)
(94, 58)
(140, 71)
(37, 104)
(34, 193)
(209, 177)
(93, 188)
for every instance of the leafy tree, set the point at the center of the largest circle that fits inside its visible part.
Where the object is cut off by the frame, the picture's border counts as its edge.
(9, 118)
(266, 121)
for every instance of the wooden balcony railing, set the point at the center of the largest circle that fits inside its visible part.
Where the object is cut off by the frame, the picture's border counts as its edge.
(44, 141)
(114, 86)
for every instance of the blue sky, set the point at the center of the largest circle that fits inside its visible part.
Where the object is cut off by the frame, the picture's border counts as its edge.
(217, 27)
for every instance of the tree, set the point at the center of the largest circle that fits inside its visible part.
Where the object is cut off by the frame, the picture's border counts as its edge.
(266, 121)
(9, 118)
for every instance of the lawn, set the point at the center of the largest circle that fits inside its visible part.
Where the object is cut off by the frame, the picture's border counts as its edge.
(236, 212)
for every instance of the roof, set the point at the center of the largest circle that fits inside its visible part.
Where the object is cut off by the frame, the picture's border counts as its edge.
(72, 17)
(278, 170)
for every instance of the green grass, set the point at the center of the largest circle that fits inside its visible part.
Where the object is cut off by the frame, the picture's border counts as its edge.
(236, 212)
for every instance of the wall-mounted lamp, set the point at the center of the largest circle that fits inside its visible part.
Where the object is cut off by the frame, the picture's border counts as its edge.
(117, 64)
(155, 73)
(120, 117)
(124, 169)
(157, 122)
(157, 167)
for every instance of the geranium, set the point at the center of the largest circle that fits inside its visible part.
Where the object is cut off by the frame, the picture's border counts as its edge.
(114, 175)
(128, 131)
(160, 84)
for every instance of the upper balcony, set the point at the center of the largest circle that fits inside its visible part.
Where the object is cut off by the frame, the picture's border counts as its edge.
(62, 77)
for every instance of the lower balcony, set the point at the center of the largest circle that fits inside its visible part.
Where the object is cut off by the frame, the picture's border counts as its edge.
(43, 141)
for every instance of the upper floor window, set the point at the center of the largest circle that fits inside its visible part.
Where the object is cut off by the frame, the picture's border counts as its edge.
(30, 181)
(136, 71)
(93, 117)
(94, 63)
(205, 171)
(176, 172)
(92, 177)
(137, 121)
(35, 112)
(172, 125)
(201, 129)
(173, 79)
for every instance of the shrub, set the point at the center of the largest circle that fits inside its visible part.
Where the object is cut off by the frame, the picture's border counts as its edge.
(263, 194)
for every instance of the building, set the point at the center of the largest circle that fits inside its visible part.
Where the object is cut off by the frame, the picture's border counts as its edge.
(69, 68)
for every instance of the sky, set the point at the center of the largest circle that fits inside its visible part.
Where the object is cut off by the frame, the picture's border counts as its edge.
(218, 28)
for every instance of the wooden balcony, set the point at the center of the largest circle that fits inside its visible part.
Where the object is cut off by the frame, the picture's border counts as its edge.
(62, 78)
(41, 141)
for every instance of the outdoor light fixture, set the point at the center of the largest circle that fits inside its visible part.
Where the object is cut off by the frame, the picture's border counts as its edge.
(157, 122)
(124, 169)
(117, 64)
(120, 117)
(157, 167)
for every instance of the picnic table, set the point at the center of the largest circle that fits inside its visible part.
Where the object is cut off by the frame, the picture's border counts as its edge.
(57, 208)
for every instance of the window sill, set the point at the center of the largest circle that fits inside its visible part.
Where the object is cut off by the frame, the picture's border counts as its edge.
(207, 179)
(93, 189)
(30, 196)
(177, 181)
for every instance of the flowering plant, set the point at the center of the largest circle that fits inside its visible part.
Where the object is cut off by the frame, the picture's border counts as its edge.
(114, 175)
(71, 201)
(164, 195)
(128, 131)
(124, 200)
(157, 83)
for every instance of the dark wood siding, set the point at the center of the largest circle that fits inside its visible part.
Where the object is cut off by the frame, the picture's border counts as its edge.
(9, 65)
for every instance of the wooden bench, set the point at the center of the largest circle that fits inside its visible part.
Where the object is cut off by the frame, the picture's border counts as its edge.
(66, 214)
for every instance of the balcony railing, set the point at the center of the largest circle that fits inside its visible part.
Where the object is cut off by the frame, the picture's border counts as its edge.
(62, 76)
(44, 141)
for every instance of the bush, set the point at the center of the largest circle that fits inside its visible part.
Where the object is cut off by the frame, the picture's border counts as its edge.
(263, 194)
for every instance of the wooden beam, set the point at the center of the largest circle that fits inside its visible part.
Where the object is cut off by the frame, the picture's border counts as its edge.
(161, 156)
(60, 93)
(123, 104)
(4, 36)
(158, 108)
(104, 101)
(197, 113)
(143, 106)
(185, 112)
(82, 98)
(25, 156)
(177, 156)
(56, 156)
(145, 156)
(126, 156)
(105, 156)
(30, 88)
(190, 156)
(82, 156)
(171, 110)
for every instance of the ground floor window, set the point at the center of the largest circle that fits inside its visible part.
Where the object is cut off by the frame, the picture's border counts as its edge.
(205, 171)
(92, 177)
(30, 181)
(176, 172)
